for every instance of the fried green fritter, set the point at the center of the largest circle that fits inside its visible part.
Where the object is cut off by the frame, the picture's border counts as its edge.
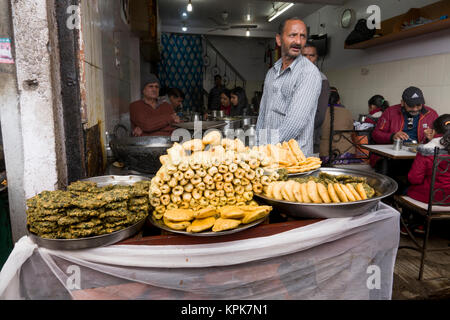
(84, 186)
(54, 199)
(138, 201)
(67, 221)
(86, 224)
(88, 202)
(138, 208)
(114, 213)
(114, 195)
(116, 205)
(85, 232)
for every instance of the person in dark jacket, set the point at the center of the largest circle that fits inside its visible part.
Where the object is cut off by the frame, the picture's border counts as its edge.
(214, 94)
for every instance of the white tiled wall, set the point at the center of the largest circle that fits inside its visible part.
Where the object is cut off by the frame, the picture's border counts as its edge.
(431, 74)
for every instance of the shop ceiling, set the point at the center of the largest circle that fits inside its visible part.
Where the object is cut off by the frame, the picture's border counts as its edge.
(215, 17)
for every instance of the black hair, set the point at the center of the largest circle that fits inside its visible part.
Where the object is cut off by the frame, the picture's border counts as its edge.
(283, 23)
(217, 76)
(378, 101)
(227, 92)
(175, 92)
(310, 45)
(441, 127)
(242, 97)
(333, 89)
(334, 98)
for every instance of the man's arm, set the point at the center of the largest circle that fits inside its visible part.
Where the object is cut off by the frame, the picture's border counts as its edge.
(382, 133)
(147, 122)
(302, 110)
(322, 104)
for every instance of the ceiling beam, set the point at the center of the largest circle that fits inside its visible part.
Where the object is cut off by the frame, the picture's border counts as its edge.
(331, 2)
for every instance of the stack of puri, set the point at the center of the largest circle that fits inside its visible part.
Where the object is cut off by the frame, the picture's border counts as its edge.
(214, 219)
(322, 189)
(209, 172)
(86, 210)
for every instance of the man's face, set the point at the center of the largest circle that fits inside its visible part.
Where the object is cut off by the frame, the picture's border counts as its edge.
(176, 101)
(414, 110)
(292, 39)
(310, 53)
(151, 91)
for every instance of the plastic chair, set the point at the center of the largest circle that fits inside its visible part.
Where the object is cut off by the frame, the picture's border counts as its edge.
(433, 210)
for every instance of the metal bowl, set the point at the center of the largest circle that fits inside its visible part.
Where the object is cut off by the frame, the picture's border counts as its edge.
(384, 186)
(141, 153)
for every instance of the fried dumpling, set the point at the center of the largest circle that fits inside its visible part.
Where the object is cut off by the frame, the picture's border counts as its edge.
(199, 225)
(222, 224)
(178, 215)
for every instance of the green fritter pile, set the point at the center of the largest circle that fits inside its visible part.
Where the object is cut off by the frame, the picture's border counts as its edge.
(86, 210)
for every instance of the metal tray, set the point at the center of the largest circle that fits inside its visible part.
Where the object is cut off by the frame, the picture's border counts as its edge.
(205, 125)
(161, 225)
(112, 179)
(307, 173)
(95, 241)
(384, 186)
(89, 242)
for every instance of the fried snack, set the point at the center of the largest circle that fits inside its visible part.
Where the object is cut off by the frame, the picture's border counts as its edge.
(222, 224)
(312, 192)
(256, 214)
(178, 215)
(305, 195)
(347, 192)
(199, 225)
(323, 193)
(332, 193)
(297, 191)
(341, 194)
(205, 213)
(182, 225)
(276, 191)
(231, 212)
(212, 138)
(294, 147)
(193, 145)
(353, 191)
(361, 191)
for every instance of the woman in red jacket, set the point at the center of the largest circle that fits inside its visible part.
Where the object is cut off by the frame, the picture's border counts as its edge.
(420, 173)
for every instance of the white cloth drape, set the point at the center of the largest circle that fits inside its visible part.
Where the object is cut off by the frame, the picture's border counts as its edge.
(342, 258)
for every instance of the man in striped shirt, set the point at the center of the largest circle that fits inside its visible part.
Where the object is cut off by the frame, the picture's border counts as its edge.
(291, 92)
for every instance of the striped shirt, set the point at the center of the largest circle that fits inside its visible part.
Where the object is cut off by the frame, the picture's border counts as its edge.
(289, 103)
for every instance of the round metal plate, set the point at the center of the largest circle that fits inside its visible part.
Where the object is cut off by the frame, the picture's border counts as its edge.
(307, 173)
(383, 185)
(91, 242)
(161, 225)
(112, 179)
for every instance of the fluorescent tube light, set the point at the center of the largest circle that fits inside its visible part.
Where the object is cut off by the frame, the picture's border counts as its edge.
(279, 11)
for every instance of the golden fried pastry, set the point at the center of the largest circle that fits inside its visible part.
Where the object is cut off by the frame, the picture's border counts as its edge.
(178, 215)
(176, 225)
(277, 190)
(231, 212)
(312, 192)
(297, 192)
(222, 224)
(349, 195)
(206, 213)
(361, 191)
(332, 193)
(341, 194)
(199, 225)
(288, 190)
(254, 215)
(323, 193)
(305, 195)
(294, 147)
(353, 191)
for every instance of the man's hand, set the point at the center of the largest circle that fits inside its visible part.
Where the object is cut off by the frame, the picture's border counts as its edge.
(176, 118)
(137, 132)
(429, 133)
(400, 135)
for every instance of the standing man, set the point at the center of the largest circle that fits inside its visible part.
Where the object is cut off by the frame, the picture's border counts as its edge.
(310, 51)
(291, 91)
(147, 116)
(214, 94)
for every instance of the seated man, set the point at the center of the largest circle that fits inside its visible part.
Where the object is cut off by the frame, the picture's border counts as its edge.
(409, 121)
(147, 117)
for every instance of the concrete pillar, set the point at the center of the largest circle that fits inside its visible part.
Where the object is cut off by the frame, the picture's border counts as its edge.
(33, 131)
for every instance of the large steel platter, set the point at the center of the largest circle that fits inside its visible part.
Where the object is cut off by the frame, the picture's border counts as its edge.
(95, 241)
(383, 185)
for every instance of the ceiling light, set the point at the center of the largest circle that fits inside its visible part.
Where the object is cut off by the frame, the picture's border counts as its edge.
(184, 14)
(184, 28)
(249, 17)
(279, 11)
(189, 6)
(247, 33)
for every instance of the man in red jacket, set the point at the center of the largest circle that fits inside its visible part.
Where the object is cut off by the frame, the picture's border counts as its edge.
(409, 121)
(150, 118)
